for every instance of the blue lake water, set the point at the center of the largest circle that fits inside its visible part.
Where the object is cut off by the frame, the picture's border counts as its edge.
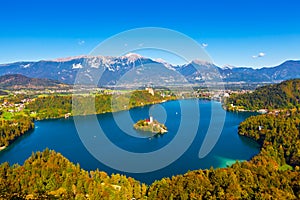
(61, 135)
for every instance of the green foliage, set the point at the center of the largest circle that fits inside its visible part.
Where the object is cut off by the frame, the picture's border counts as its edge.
(48, 174)
(278, 134)
(12, 129)
(285, 95)
(7, 115)
(241, 181)
(56, 106)
(53, 106)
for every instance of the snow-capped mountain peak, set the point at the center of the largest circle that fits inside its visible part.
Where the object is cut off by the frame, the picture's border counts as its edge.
(201, 62)
(132, 57)
(228, 67)
(165, 63)
(160, 60)
(68, 58)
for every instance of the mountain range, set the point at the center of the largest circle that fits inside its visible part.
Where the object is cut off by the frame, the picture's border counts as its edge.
(133, 69)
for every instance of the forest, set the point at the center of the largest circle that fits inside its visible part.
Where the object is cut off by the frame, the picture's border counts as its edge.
(56, 106)
(272, 174)
(12, 129)
(48, 175)
(276, 96)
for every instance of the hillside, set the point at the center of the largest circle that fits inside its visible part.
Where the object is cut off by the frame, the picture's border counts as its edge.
(277, 96)
(18, 81)
(49, 175)
(3, 93)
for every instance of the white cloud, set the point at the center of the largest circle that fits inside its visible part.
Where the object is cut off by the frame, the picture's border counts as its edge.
(81, 42)
(261, 54)
(204, 45)
(141, 44)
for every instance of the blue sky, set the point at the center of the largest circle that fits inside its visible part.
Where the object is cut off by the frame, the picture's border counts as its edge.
(237, 32)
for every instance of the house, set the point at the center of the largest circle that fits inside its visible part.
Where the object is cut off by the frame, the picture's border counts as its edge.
(262, 111)
(226, 95)
(67, 115)
(150, 90)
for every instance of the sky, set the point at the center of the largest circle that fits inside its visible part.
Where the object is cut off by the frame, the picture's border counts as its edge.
(256, 33)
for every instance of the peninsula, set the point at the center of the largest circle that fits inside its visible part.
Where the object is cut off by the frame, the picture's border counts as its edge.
(150, 125)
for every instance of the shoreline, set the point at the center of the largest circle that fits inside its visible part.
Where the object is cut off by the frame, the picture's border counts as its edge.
(105, 112)
(71, 116)
(4, 147)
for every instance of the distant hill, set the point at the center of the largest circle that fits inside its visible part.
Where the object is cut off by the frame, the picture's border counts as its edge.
(3, 92)
(135, 70)
(18, 81)
(278, 96)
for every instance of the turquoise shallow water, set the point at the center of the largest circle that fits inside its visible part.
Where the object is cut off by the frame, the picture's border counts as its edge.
(61, 135)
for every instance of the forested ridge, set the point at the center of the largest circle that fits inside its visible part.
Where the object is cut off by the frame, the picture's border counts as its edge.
(278, 134)
(18, 81)
(277, 96)
(56, 106)
(48, 175)
(272, 174)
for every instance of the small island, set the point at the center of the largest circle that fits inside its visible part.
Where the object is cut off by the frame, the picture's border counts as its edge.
(150, 125)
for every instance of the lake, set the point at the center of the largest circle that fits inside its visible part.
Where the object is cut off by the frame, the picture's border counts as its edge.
(62, 136)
